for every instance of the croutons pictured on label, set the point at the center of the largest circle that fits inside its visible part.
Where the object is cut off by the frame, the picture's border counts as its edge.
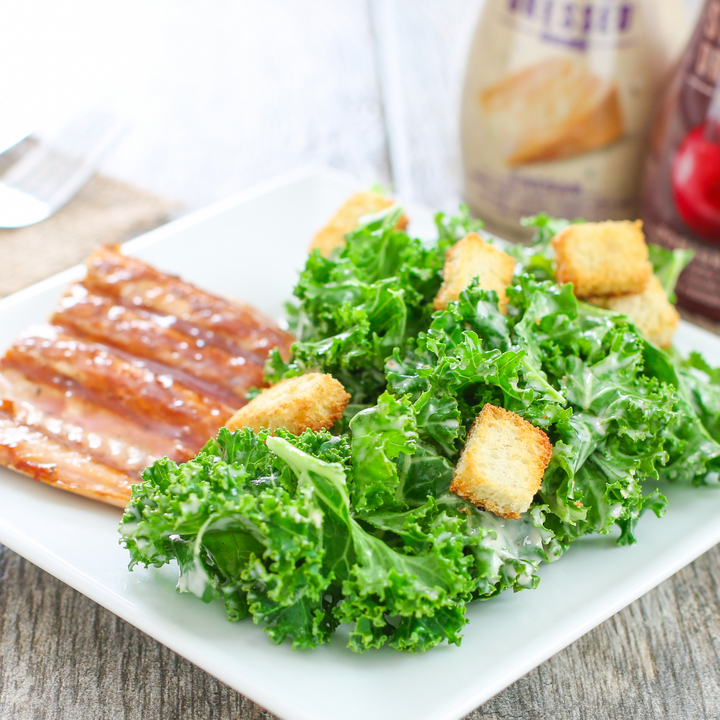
(604, 258)
(650, 310)
(313, 401)
(471, 258)
(552, 109)
(503, 462)
(345, 220)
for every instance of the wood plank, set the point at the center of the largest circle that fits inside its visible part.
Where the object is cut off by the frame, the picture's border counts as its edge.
(63, 656)
(236, 93)
(422, 47)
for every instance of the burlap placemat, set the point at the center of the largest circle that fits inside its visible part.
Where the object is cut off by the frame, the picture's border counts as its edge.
(104, 211)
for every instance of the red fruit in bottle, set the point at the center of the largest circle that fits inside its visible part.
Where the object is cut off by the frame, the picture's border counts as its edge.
(696, 181)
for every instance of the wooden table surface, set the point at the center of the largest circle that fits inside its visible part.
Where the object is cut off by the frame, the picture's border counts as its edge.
(223, 95)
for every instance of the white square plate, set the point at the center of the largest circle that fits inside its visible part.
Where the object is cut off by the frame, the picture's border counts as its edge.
(252, 247)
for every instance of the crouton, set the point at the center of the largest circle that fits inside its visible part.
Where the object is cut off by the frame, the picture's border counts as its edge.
(503, 462)
(606, 258)
(650, 310)
(472, 258)
(345, 220)
(313, 401)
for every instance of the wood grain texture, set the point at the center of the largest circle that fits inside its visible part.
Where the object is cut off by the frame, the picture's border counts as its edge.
(234, 93)
(63, 656)
(658, 658)
(237, 92)
(422, 49)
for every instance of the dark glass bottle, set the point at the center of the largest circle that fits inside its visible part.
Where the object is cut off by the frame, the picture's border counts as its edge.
(680, 201)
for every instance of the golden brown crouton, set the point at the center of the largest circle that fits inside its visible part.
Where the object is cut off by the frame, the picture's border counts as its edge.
(345, 220)
(313, 401)
(606, 258)
(503, 462)
(650, 310)
(472, 258)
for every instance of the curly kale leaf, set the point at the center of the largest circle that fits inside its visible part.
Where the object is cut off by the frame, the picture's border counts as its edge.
(452, 228)
(667, 265)
(702, 385)
(269, 528)
(242, 527)
(360, 304)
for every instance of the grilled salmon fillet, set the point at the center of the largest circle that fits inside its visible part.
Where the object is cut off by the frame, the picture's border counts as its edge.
(134, 365)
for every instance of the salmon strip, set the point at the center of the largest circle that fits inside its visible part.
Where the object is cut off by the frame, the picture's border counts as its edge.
(230, 322)
(87, 426)
(128, 387)
(32, 453)
(142, 335)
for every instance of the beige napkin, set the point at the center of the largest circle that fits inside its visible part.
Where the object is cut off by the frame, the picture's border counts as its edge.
(104, 211)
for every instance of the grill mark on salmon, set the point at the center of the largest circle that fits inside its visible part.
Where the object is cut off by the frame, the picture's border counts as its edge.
(129, 388)
(33, 453)
(107, 450)
(140, 335)
(113, 439)
(241, 326)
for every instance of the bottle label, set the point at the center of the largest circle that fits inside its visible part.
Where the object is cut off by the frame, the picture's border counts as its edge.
(576, 25)
(704, 71)
(556, 107)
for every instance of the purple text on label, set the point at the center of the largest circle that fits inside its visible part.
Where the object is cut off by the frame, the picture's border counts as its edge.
(580, 17)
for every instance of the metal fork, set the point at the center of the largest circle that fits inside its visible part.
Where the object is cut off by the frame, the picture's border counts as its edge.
(47, 177)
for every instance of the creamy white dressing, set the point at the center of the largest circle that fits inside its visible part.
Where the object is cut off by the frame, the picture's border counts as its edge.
(194, 580)
(515, 541)
(192, 506)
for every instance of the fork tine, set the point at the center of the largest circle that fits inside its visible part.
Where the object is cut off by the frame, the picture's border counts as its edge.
(46, 167)
(91, 137)
(71, 138)
(52, 173)
(22, 173)
(82, 167)
(62, 191)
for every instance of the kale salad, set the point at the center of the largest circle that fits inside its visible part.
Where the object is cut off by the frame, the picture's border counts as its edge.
(357, 525)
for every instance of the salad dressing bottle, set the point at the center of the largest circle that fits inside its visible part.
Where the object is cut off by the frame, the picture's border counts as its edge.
(556, 106)
(681, 188)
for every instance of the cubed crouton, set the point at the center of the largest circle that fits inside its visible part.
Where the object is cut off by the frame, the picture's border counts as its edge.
(472, 258)
(503, 462)
(313, 401)
(606, 258)
(345, 220)
(650, 310)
